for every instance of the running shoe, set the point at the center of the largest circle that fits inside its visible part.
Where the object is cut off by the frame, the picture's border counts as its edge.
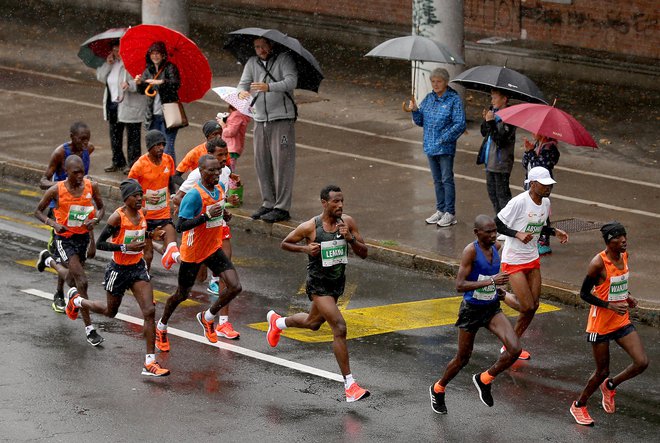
(273, 334)
(41, 262)
(162, 342)
(524, 355)
(355, 393)
(93, 338)
(484, 391)
(447, 220)
(155, 370)
(214, 288)
(71, 309)
(58, 302)
(544, 249)
(435, 218)
(608, 397)
(437, 401)
(167, 260)
(209, 331)
(226, 330)
(581, 415)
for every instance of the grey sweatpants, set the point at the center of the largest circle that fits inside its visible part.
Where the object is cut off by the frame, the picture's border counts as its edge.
(275, 161)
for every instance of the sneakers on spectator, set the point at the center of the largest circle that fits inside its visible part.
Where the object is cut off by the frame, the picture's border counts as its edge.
(447, 220)
(435, 218)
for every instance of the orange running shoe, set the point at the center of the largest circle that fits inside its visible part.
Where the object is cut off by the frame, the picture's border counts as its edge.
(524, 355)
(608, 397)
(226, 330)
(273, 334)
(209, 331)
(355, 393)
(71, 309)
(167, 260)
(154, 370)
(581, 415)
(162, 342)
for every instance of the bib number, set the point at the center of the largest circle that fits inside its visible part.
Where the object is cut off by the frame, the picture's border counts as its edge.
(618, 288)
(334, 252)
(133, 236)
(78, 214)
(487, 293)
(162, 199)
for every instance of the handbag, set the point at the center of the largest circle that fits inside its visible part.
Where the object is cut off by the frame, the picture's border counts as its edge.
(175, 115)
(481, 156)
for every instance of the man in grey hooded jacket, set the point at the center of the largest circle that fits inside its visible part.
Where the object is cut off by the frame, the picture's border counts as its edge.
(270, 78)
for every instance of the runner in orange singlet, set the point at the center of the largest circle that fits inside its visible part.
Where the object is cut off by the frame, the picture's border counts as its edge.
(77, 201)
(609, 320)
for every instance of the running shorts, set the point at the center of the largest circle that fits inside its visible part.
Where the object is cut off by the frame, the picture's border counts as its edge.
(153, 224)
(524, 268)
(119, 278)
(594, 337)
(226, 232)
(67, 247)
(325, 286)
(216, 262)
(471, 317)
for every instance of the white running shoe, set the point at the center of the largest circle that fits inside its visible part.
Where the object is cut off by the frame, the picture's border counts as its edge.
(447, 220)
(435, 218)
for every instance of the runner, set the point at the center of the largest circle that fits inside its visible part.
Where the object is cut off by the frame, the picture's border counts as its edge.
(55, 172)
(478, 277)
(326, 237)
(217, 148)
(154, 171)
(127, 270)
(77, 200)
(609, 319)
(522, 220)
(190, 162)
(200, 215)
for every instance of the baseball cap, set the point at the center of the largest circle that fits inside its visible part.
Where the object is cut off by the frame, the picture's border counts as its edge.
(541, 175)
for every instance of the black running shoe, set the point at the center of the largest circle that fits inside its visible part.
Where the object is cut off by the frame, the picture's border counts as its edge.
(437, 401)
(58, 302)
(41, 263)
(93, 338)
(484, 391)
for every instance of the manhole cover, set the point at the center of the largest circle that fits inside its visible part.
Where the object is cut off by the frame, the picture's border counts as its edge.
(571, 225)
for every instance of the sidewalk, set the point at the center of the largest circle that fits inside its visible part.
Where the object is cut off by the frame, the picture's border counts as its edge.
(355, 131)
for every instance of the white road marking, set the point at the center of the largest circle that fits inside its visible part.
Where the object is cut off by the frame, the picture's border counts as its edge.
(43, 74)
(220, 345)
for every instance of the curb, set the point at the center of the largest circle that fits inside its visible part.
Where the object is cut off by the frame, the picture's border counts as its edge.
(647, 312)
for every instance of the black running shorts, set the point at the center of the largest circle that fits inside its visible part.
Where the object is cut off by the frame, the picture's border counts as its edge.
(594, 337)
(119, 278)
(216, 262)
(159, 223)
(325, 286)
(471, 317)
(67, 247)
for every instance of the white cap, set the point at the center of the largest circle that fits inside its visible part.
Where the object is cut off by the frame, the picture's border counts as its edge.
(541, 175)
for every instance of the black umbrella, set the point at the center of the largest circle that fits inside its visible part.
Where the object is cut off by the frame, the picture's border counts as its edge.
(241, 44)
(486, 77)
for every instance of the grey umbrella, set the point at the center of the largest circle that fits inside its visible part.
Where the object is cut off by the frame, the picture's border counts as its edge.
(417, 49)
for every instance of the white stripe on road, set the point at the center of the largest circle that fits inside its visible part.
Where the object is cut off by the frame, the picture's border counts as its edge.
(43, 74)
(220, 345)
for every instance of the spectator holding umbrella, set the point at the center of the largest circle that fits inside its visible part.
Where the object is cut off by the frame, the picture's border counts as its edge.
(443, 119)
(123, 108)
(160, 81)
(272, 76)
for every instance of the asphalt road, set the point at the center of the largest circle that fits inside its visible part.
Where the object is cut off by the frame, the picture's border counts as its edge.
(56, 387)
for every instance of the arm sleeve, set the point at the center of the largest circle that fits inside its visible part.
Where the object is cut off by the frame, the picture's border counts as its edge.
(103, 244)
(102, 72)
(289, 73)
(586, 295)
(185, 224)
(247, 77)
(504, 229)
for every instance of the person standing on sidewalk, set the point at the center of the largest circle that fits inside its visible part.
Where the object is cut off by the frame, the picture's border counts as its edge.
(55, 172)
(272, 76)
(499, 145)
(127, 270)
(478, 277)
(521, 221)
(201, 217)
(443, 119)
(605, 288)
(123, 108)
(78, 209)
(326, 238)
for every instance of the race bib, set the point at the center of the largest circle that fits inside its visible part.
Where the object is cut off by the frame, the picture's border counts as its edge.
(77, 215)
(334, 252)
(534, 228)
(486, 293)
(133, 236)
(618, 288)
(162, 199)
(215, 221)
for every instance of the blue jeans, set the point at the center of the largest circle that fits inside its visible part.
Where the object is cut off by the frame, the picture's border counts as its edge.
(158, 122)
(442, 169)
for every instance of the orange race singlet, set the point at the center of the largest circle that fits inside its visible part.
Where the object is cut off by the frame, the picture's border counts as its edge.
(154, 179)
(129, 233)
(615, 288)
(73, 211)
(200, 242)
(191, 161)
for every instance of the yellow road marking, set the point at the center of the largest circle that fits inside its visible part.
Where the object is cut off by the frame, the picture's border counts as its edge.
(22, 192)
(376, 320)
(23, 222)
(33, 264)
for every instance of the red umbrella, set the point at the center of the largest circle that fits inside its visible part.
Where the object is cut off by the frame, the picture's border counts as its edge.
(548, 121)
(193, 66)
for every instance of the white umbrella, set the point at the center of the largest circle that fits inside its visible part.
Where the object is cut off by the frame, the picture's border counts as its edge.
(230, 95)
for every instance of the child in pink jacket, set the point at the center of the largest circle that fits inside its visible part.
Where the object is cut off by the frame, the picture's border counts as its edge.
(234, 128)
